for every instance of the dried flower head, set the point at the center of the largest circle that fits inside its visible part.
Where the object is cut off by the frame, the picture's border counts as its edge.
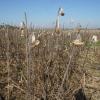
(22, 32)
(94, 39)
(61, 11)
(37, 42)
(78, 42)
(33, 37)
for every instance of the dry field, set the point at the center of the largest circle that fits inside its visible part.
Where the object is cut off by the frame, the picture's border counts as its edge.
(54, 69)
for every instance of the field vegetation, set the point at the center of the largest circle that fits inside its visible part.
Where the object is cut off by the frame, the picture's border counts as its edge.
(52, 66)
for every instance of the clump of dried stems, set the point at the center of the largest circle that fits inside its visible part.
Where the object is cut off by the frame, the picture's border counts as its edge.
(43, 65)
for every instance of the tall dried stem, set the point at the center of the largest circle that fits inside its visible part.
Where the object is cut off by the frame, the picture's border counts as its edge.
(27, 61)
(8, 65)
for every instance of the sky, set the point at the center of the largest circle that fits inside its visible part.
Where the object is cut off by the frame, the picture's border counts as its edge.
(44, 12)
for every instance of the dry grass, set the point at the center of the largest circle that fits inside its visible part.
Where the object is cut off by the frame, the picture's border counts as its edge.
(55, 66)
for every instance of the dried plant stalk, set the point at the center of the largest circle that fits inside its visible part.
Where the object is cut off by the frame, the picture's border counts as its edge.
(8, 64)
(27, 62)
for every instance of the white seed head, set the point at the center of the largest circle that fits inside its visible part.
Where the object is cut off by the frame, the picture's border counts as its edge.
(33, 37)
(77, 42)
(61, 12)
(37, 42)
(94, 38)
(22, 33)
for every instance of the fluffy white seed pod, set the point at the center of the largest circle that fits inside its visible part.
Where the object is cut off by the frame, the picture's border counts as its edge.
(37, 42)
(33, 37)
(61, 11)
(78, 42)
(22, 33)
(94, 38)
